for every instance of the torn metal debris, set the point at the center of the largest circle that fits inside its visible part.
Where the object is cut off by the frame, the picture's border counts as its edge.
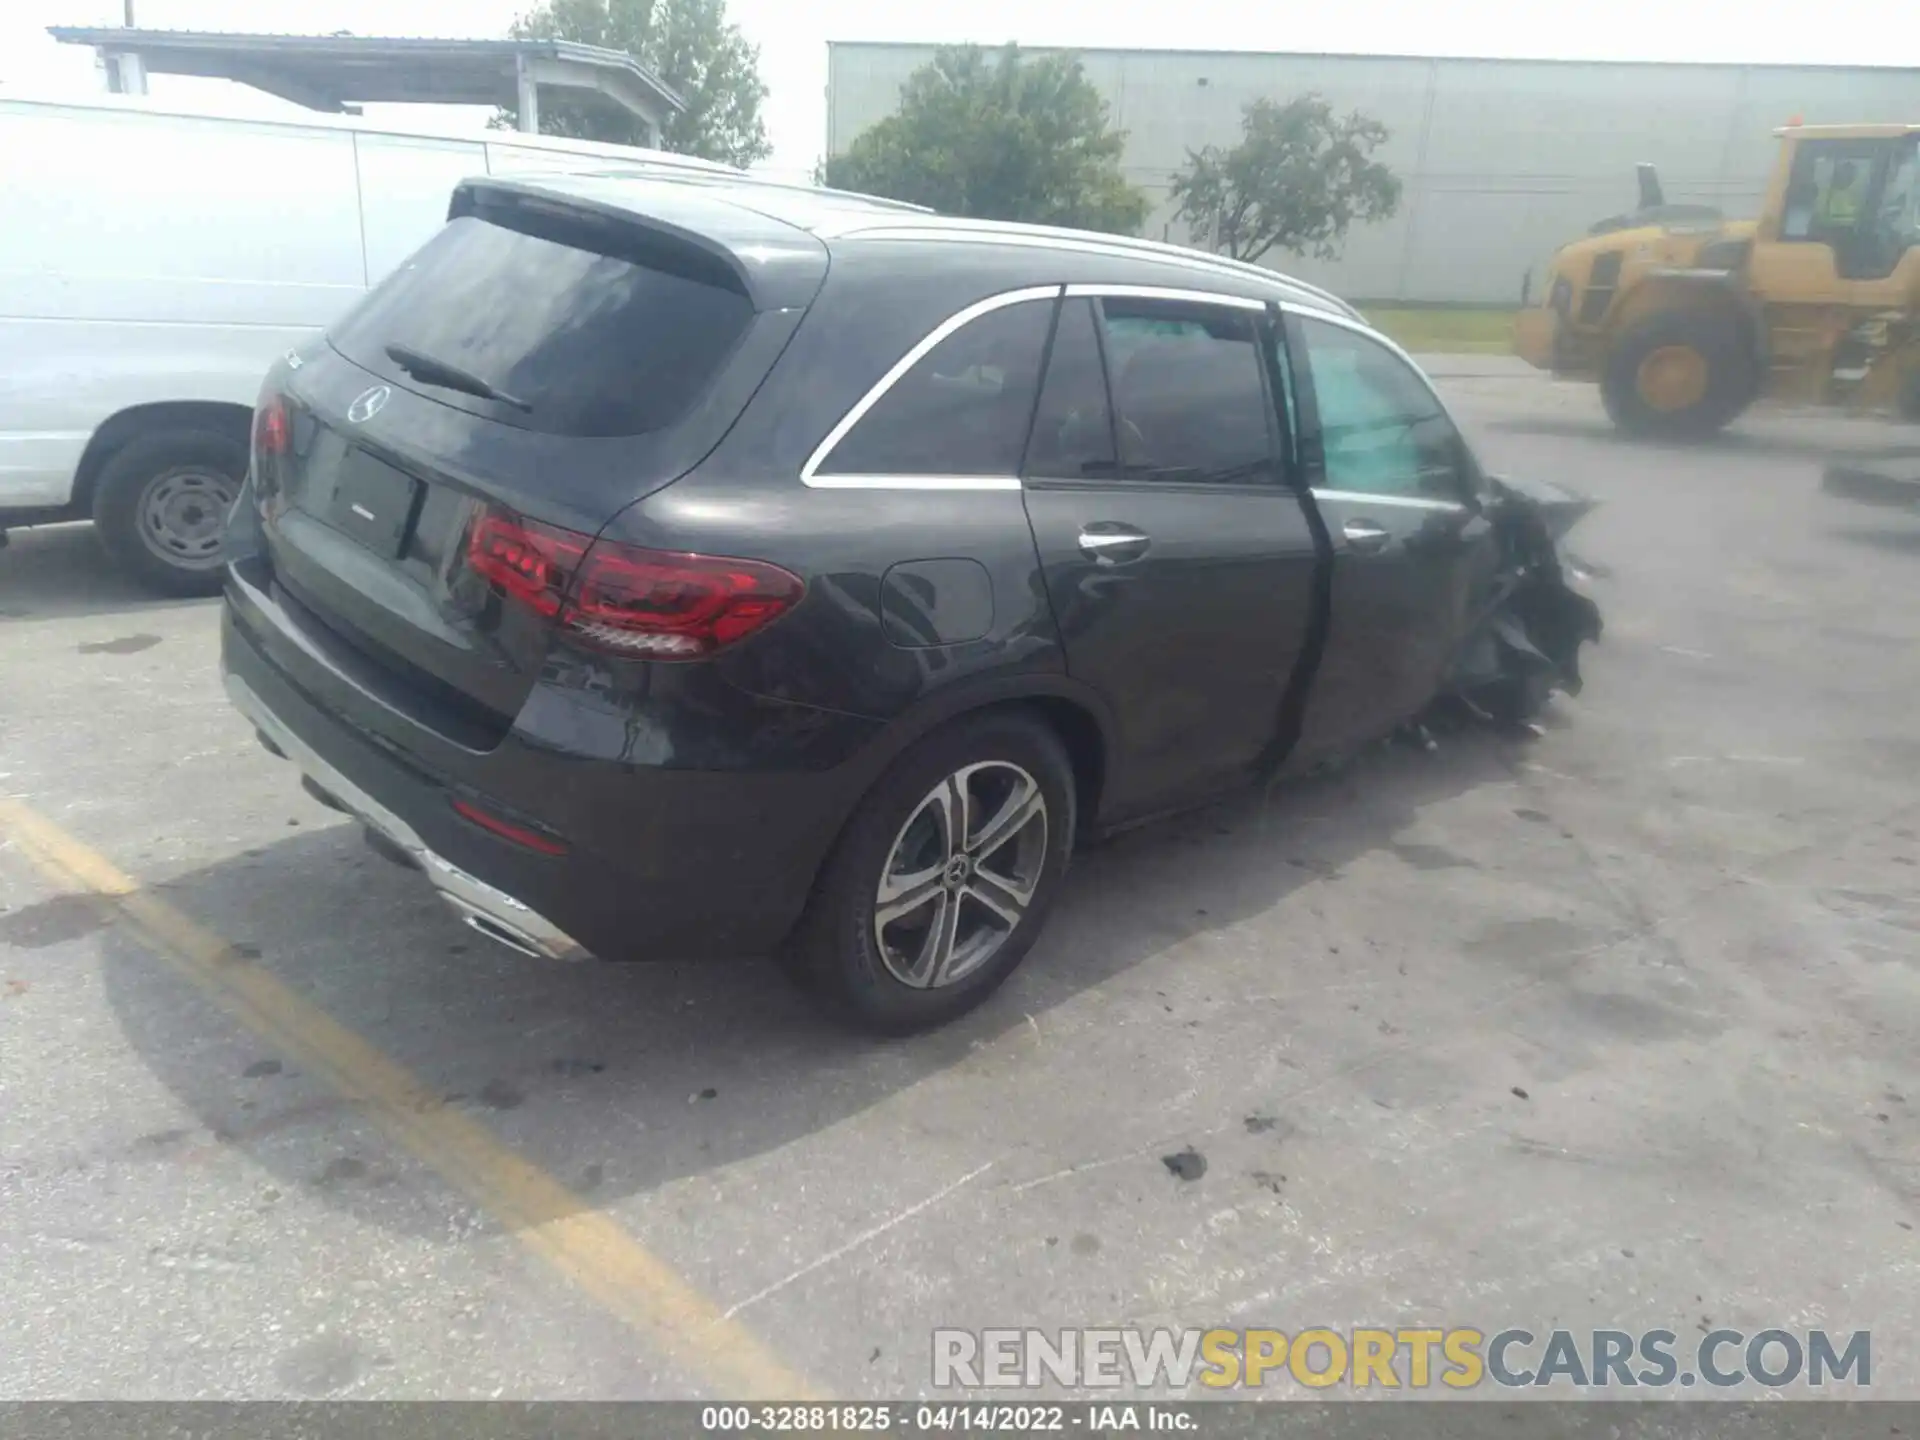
(1526, 643)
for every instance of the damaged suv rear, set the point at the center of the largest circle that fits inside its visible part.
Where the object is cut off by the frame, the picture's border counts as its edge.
(674, 569)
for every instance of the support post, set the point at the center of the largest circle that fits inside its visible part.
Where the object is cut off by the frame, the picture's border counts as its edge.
(529, 96)
(126, 73)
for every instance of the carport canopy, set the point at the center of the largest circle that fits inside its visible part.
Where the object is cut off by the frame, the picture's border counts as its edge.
(340, 72)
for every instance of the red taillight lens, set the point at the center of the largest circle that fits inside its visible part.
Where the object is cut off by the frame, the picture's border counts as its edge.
(532, 563)
(272, 441)
(649, 604)
(271, 431)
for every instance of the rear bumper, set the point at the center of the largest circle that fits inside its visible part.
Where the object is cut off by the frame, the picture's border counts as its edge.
(664, 861)
(491, 911)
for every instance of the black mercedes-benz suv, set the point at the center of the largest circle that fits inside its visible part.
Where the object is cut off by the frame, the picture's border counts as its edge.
(675, 568)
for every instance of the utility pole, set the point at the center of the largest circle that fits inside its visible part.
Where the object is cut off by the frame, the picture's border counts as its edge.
(128, 7)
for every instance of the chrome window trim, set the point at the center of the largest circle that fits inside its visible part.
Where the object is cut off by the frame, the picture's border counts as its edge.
(1163, 292)
(809, 472)
(954, 322)
(1403, 502)
(913, 482)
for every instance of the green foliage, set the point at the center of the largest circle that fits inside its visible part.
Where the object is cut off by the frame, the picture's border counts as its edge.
(1445, 329)
(998, 136)
(689, 44)
(1297, 181)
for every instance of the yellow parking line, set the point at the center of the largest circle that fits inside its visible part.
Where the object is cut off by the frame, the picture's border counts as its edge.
(583, 1244)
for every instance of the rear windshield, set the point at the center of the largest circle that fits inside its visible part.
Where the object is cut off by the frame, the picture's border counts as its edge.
(590, 344)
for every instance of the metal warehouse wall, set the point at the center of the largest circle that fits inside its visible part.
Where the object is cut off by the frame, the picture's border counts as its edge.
(1501, 159)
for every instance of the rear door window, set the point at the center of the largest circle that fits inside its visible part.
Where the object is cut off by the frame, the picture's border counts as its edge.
(1073, 427)
(963, 407)
(593, 344)
(1189, 395)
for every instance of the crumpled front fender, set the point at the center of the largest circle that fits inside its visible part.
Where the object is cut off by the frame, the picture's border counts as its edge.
(1526, 642)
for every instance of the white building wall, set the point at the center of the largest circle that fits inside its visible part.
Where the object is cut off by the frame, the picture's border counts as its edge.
(1500, 160)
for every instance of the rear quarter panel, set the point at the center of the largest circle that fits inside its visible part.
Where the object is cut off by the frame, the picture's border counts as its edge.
(834, 652)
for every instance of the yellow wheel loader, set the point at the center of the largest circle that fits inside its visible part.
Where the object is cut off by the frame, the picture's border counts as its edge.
(1685, 319)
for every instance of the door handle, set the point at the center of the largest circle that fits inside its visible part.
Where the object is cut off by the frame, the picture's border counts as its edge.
(1115, 546)
(1363, 537)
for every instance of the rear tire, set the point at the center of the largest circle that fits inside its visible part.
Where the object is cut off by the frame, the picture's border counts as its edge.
(161, 503)
(1681, 376)
(853, 959)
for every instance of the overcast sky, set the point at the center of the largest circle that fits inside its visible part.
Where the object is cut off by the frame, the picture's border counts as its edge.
(793, 34)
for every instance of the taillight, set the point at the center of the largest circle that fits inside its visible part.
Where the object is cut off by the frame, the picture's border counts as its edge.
(649, 604)
(272, 439)
(271, 432)
(531, 562)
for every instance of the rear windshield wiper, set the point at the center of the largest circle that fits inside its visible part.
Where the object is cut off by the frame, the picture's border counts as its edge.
(449, 377)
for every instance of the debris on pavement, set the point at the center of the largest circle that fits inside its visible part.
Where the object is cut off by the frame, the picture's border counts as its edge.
(1188, 1164)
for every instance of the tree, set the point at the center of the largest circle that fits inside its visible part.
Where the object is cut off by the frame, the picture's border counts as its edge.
(1298, 179)
(998, 137)
(689, 44)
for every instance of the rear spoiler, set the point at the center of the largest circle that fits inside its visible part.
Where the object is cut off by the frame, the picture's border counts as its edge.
(686, 229)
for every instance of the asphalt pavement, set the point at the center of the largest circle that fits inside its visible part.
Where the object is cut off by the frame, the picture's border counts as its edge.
(1612, 1027)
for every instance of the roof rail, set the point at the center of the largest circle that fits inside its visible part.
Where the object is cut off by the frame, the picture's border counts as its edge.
(1246, 267)
(953, 227)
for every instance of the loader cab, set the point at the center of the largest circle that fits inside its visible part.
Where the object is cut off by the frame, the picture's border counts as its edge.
(1842, 217)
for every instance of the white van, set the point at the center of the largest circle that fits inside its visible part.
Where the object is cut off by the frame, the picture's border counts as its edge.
(154, 261)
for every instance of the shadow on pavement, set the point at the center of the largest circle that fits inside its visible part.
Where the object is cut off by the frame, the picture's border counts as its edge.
(1899, 536)
(621, 1078)
(56, 571)
(1772, 441)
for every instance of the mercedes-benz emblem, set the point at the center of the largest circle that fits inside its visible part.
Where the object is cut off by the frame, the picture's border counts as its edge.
(367, 404)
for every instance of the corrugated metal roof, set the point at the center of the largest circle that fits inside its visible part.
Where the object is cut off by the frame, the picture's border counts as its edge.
(343, 69)
(1895, 61)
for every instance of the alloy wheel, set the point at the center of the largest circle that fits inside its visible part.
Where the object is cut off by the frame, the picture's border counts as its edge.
(961, 874)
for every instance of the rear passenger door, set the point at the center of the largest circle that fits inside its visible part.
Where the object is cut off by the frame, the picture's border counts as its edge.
(1414, 558)
(1178, 560)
